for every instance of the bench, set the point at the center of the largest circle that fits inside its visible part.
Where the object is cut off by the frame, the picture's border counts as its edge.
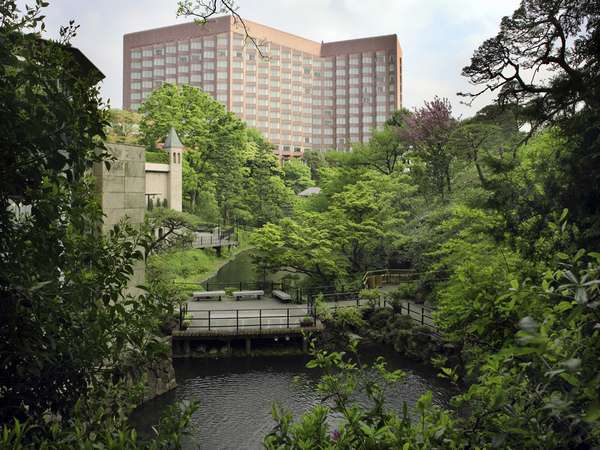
(207, 295)
(283, 296)
(244, 294)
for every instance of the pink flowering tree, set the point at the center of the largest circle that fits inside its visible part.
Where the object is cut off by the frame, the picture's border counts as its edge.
(429, 129)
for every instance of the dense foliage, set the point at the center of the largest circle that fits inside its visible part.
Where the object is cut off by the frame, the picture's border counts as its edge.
(499, 214)
(72, 340)
(230, 172)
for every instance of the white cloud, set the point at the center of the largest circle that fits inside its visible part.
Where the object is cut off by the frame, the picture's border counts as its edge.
(438, 37)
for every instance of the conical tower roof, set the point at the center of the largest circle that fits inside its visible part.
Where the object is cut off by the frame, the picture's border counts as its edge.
(172, 140)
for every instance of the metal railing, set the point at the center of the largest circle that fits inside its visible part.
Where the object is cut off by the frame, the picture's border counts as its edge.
(239, 319)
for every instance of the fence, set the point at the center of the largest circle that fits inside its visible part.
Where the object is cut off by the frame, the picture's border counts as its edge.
(239, 319)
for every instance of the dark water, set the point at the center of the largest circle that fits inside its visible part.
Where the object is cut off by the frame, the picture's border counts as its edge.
(236, 395)
(242, 269)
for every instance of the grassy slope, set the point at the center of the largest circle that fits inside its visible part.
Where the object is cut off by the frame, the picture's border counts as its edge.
(192, 265)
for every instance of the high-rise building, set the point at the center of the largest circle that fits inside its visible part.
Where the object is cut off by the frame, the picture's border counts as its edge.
(299, 93)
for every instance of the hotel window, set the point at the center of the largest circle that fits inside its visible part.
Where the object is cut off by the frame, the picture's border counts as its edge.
(381, 98)
(274, 52)
(237, 75)
(353, 120)
(159, 72)
(328, 83)
(196, 44)
(207, 86)
(327, 141)
(171, 70)
(209, 65)
(136, 65)
(184, 59)
(147, 63)
(340, 101)
(183, 46)
(222, 53)
(171, 49)
(380, 69)
(340, 121)
(147, 52)
(171, 80)
(196, 78)
(341, 81)
(353, 71)
(222, 86)
(222, 40)
(367, 58)
(222, 75)
(222, 64)
(340, 72)
(354, 100)
(136, 96)
(209, 42)
(367, 109)
(171, 60)
(147, 74)
(135, 106)
(209, 54)
(146, 94)
(136, 85)
(158, 83)
(196, 67)
(136, 54)
(354, 110)
(159, 61)
(367, 79)
(353, 91)
(353, 130)
(367, 89)
(209, 76)
(196, 57)
(183, 69)
(381, 108)
(354, 59)
(235, 64)
(183, 80)
(328, 73)
(340, 91)
(237, 109)
(222, 98)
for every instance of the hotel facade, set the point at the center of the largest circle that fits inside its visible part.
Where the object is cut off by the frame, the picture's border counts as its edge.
(299, 93)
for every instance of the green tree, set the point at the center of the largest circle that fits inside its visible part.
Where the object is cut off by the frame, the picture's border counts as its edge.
(123, 126)
(215, 141)
(296, 175)
(67, 328)
(266, 198)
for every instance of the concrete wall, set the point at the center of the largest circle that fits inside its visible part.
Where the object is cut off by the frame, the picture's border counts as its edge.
(157, 182)
(122, 190)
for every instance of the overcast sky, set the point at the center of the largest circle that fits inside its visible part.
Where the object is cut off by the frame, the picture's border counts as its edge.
(438, 37)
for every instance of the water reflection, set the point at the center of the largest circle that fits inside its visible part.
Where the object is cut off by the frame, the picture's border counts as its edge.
(236, 396)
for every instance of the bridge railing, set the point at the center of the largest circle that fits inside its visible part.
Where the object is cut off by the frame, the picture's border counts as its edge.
(240, 319)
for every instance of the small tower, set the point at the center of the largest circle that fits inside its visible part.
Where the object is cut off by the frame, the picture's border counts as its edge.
(174, 148)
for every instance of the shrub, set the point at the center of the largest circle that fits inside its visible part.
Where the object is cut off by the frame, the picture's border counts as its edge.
(349, 319)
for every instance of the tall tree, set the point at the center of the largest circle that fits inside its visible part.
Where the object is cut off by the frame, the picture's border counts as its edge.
(67, 329)
(429, 129)
(296, 175)
(215, 140)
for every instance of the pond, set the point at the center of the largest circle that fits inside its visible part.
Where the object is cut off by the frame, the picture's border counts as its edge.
(242, 269)
(236, 395)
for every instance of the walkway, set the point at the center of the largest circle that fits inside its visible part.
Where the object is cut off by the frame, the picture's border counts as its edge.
(231, 315)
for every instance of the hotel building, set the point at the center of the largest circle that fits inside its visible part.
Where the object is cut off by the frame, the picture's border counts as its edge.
(299, 93)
